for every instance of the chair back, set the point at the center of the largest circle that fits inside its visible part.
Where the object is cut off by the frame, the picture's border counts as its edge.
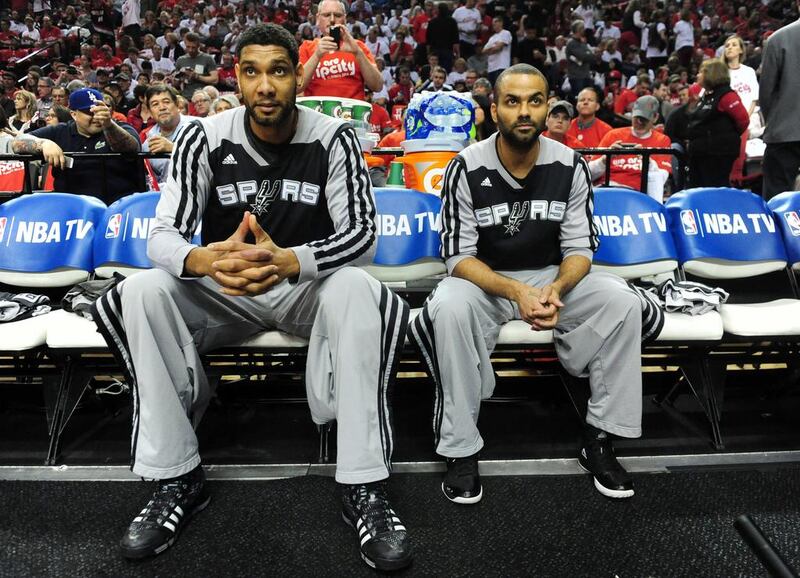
(786, 210)
(724, 233)
(634, 236)
(408, 235)
(46, 239)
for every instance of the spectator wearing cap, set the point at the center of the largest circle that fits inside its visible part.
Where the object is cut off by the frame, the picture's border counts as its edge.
(586, 128)
(197, 68)
(779, 89)
(162, 101)
(559, 115)
(623, 104)
(715, 128)
(120, 103)
(30, 36)
(92, 130)
(626, 170)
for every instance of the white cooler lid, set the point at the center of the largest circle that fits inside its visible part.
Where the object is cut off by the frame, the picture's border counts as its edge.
(432, 145)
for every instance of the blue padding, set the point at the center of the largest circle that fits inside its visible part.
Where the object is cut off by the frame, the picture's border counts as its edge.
(408, 226)
(632, 228)
(47, 231)
(786, 208)
(723, 223)
(122, 238)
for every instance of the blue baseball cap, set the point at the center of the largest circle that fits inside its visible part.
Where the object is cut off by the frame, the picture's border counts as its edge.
(84, 99)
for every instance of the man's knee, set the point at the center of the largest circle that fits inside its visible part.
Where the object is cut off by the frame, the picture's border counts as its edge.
(451, 304)
(349, 284)
(147, 287)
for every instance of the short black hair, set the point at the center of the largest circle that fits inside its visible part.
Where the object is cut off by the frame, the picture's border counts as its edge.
(269, 34)
(159, 88)
(521, 68)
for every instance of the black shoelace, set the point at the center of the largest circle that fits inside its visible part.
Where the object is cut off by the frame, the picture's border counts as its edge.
(374, 506)
(162, 502)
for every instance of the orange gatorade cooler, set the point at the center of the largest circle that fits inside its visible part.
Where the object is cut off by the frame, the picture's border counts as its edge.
(424, 162)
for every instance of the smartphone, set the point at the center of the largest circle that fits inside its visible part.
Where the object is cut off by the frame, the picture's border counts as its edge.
(336, 34)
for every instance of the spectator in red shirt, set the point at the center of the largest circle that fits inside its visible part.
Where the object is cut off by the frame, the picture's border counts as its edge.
(623, 104)
(227, 74)
(626, 169)
(331, 69)
(107, 59)
(400, 48)
(559, 115)
(715, 127)
(587, 129)
(400, 92)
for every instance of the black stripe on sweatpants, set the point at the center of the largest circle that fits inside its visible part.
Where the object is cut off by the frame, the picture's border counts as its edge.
(423, 337)
(106, 312)
(394, 322)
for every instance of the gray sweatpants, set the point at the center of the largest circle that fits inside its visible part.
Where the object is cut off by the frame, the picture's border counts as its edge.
(159, 326)
(598, 334)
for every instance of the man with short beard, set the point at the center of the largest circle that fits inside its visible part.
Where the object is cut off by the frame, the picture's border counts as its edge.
(518, 239)
(287, 214)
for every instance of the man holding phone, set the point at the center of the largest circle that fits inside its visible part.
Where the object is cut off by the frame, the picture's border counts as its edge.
(92, 130)
(197, 68)
(337, 64)
(626, 170)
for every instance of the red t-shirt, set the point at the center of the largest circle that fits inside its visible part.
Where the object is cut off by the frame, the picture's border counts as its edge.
(626, 170)
(406, 50)
(51, 33)
(379, 119)
(568, 140)
(624, 101)
(337, 73)
(398, 88)
(392, 140)
(227, 78)
(419, 24)
(590, 136)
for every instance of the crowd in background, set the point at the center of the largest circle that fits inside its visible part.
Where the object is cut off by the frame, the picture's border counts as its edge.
(599, 57)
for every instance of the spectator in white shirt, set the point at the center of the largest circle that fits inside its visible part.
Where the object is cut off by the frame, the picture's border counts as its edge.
(684, 38)
(468, 20)
(378, 45)
(498, 49)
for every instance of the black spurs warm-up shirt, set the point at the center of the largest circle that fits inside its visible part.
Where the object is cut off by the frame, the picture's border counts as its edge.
(517, 224)
(312, 195)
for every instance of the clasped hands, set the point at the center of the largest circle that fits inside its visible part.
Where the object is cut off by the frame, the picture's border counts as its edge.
(242, 268)
(539, 307)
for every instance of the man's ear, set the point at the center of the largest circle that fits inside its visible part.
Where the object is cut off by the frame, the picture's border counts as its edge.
(298, 72)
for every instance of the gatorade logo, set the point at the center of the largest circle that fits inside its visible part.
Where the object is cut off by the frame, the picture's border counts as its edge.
(432, 182)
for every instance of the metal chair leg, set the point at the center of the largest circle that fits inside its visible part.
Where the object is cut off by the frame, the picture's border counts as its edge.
(324, 450)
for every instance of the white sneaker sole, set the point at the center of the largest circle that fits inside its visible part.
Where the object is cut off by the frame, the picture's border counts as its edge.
(457, 500)
(608, 493)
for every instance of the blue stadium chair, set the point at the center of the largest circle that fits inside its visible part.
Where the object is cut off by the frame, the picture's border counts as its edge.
(45, 242)
(728, 234)
(635, 242)
(121, 244)
(786, 209)
(408, 236)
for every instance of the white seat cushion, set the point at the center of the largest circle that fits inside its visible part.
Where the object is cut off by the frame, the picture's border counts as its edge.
(25, 334)
(684, 327)
(273, 339)
(518, 332)
(780, 317)
(67, 330)
(513, 333)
